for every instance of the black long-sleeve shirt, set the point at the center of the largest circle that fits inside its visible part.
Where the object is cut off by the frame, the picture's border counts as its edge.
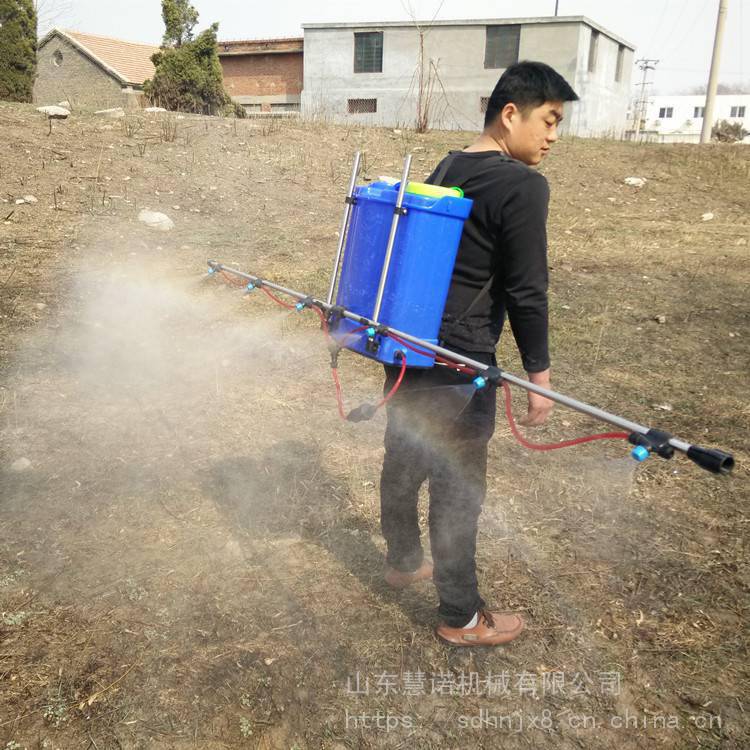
(505, 235)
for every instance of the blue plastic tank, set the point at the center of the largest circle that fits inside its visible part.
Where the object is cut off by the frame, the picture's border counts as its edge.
(422, 261)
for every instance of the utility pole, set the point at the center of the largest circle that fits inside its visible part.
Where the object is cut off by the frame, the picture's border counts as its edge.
(640, 110)
(557, 5)
(713, 78)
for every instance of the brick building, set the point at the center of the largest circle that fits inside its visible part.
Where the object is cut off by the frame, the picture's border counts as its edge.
(91, 71)
(263, 75)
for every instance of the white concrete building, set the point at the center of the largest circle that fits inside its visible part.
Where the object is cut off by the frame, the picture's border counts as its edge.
(679, 119)
(370, 73)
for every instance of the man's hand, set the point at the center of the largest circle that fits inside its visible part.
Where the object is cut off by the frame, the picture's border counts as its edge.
(539, 407)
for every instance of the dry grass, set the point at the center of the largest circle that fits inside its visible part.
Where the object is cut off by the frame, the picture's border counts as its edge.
(193, 559)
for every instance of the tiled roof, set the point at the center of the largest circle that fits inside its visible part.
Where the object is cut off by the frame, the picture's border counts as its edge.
(130, 61)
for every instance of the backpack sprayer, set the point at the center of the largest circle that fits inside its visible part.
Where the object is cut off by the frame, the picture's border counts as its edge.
(396, 251)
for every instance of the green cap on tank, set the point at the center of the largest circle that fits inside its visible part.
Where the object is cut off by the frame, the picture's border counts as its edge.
(433, 191)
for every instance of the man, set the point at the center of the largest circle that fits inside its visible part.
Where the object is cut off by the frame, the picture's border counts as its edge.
(501, 268)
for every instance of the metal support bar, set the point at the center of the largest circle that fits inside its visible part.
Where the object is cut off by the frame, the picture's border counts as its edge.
(397, 213)
(593, 411)
(344, 226)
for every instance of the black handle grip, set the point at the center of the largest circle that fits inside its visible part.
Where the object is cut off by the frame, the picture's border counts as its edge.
(711, 459)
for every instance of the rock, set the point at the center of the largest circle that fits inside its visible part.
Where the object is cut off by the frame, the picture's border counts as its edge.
(40, 305)
(156, 220)
(635, 181)
(20, 464)
(662, 407)
(154, 109)
(707, 217)
(30, 199)
(54, 112)
(65, 104)
(114, 112)
(660, 318)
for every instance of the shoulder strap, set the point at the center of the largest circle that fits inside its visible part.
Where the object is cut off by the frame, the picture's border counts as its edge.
(444, 167)
(438, 180)
(480, 296)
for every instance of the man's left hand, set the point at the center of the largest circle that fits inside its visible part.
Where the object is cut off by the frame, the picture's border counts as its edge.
(539, 406)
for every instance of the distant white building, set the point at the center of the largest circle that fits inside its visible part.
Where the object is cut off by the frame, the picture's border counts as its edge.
(370, 73)
(679, 119)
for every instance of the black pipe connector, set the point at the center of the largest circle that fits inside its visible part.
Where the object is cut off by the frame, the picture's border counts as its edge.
(656, 441)
(362, 413)
(711, 459)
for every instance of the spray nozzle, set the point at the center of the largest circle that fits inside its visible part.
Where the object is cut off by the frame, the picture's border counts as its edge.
(303, 303)
(654, 441)
(211, 270)
(250, 286)
(371, 331)
(492, 375)
(640, 453)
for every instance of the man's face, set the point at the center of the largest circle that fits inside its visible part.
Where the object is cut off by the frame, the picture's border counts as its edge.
(530, 134)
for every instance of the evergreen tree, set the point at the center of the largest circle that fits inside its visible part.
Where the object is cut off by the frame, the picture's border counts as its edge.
(17, 50)
(180, 18)
(189, 77)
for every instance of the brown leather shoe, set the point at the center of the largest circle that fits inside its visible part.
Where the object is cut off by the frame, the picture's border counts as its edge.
(492, 629)
(397, 579)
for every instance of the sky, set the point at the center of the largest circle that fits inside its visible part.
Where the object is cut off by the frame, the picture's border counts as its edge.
(679, 33)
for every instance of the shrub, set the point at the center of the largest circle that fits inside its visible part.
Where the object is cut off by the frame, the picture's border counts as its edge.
(17, 49)
(728, 132)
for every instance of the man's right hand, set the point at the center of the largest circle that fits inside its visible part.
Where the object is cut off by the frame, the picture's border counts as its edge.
(539, 406)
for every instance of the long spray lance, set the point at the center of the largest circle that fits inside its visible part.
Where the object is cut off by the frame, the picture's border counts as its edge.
(646, 440)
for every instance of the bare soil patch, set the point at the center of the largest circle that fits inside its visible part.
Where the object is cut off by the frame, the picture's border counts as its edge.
(192, 557)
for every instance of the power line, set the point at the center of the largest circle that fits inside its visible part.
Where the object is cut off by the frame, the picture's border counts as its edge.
(657, 28)
(639, 114)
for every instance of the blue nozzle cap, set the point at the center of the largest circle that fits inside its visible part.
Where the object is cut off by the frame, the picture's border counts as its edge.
(640, 453)
(299, 307)
(370, 331)
(250, 287)
(479, 382)
(211, 269)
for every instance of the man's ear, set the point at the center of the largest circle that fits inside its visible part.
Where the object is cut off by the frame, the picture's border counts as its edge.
(508, 114)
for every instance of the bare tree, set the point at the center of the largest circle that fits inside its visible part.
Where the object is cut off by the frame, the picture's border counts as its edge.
(50, 13)
(426, 72)
(722, 88)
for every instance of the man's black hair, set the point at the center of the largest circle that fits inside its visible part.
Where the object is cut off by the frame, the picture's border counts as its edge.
(528, 84)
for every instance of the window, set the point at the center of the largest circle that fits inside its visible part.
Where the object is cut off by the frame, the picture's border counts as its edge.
(57, 58)
(501, 47)
(665, 112)
(484, 102)
(698, 112)
(361, 106)
(620, 62)
(737, 112)
(368, 52)
(593, 49)
(284, 107)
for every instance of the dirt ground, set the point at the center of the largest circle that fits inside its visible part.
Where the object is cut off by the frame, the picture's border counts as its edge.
(189, 537)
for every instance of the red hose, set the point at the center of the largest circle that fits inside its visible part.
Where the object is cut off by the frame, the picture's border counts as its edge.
(339, 398)
(276, 299)
(552, 446)
(458, 366)
(396, 385)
